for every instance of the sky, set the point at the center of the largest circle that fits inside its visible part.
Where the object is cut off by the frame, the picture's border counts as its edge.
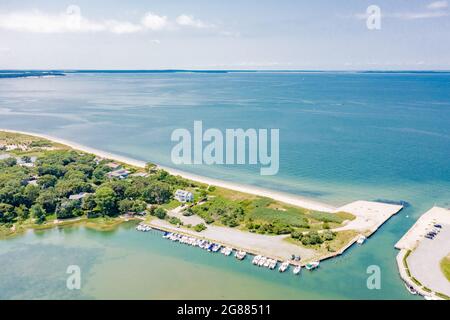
(225, 34)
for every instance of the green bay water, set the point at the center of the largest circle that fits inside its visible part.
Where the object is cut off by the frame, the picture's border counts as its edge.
(343, 137)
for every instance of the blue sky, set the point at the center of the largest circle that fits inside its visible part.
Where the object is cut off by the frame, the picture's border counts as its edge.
(213, 34)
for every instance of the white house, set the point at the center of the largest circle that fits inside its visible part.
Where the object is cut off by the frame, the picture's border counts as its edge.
(184, 196)
(120, 174)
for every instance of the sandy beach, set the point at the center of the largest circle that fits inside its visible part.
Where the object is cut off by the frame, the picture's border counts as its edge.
(283, 197)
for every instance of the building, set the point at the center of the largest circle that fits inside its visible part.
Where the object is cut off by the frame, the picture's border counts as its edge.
(140, 174)
(78, 196)
(113, 165)
(184, 196)
(119, 174)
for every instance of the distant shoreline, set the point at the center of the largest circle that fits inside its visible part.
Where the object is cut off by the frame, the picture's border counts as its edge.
(253, 190)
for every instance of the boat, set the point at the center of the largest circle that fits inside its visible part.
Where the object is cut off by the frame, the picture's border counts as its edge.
(411, 289)
(284, 266)
(240, 255)
(297, 270)
(228, 251)
(267, 263)
(256, 259)
(262, 261)
(361, 239)
(273, 264)
(312, 265)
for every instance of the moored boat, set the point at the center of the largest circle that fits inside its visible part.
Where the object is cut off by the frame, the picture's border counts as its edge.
(284, 266)
(312, 265)
(297, 270)
(240, 255)
(361, 239)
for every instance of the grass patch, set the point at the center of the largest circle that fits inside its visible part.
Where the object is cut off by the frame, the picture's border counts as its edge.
(445, 267)
(443, 296)
(417, 282)
(290, 217)
(171, 205)
(103, 223)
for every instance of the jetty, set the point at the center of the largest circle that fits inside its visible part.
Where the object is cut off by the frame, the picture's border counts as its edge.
(422, 248)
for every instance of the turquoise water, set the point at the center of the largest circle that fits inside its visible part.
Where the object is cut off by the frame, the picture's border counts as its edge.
(343, 137)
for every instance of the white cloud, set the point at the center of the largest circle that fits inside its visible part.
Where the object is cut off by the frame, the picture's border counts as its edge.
(438, 5)
(420, 15)
(190, 21)
(72, 21)
(154, 22)
(122, 27)
(36, 21)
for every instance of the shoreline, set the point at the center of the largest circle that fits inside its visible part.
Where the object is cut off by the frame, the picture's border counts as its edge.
(253, 190)
(369, 216)
(418, 258)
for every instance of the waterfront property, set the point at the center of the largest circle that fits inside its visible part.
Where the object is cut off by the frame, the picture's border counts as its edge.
(184, 196)
(422, 249)
(119, 174)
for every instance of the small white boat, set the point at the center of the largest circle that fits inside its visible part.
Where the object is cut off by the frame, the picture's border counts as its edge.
(262, 261)
(273, 264)
(297, 270)
(267, 263)
(256, 259)
(284, 266)
(229, 251)
(240, 255)
(361, 239)
(411, 289)
(312, 265)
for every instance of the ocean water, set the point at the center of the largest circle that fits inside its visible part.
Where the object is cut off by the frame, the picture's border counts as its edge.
(343, 137)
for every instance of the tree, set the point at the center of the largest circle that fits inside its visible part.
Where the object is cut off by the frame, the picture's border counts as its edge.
(160, 213)
(48, 199)
(150, 167)
(88, 203)
(22, 212)
(56, 170)
(158, 192)
(7, 213)
(199, 227)
(296, 235)
(30, 194)
(8, 162)
(69, 209)
(47, 181)
(38, 213)
(106, 200)
(65, 188)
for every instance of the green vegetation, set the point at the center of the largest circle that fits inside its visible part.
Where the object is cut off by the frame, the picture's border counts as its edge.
(41, 191)
(199, 227)
(267, 216)
(35, 194)
(442, 295)
(445, 267)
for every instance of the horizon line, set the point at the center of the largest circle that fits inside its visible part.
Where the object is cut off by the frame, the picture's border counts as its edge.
(68, 70)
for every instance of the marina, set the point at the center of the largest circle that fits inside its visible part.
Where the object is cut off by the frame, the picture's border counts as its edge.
(258, 260)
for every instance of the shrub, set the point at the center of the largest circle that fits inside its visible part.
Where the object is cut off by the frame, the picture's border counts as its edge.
(160, 213)
(199, 227)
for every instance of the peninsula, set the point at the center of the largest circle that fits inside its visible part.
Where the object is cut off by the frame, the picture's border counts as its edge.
(46, 182)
